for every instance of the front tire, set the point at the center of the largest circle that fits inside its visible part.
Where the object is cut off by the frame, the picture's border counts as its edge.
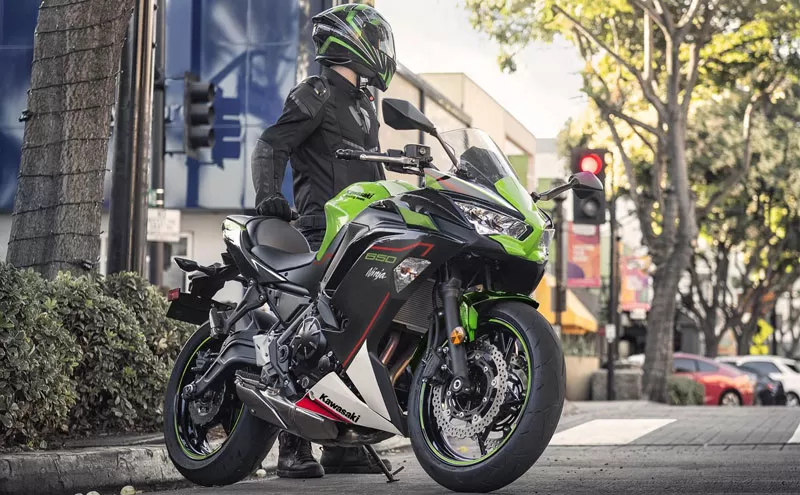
(248, 438)
(536, 420)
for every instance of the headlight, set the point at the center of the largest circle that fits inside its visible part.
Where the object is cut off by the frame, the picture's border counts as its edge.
(487, 222)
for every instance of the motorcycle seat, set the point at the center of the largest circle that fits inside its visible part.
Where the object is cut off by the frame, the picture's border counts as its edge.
(278, 244)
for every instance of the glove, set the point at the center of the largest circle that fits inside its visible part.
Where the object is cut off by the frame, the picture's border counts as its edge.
(276, 206)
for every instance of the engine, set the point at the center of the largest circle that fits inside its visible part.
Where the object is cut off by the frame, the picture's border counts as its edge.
(309, 344)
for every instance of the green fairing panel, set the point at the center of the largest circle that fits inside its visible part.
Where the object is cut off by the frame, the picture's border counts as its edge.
(529, 247)
(346, 205)
(471, 301)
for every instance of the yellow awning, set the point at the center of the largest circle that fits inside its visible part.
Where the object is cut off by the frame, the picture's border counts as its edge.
(577, 319)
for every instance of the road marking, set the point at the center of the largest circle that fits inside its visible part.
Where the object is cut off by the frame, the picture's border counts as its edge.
(796, 437)
(608, 431)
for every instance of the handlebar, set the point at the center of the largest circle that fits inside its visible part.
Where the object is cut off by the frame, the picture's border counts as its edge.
(365, 156)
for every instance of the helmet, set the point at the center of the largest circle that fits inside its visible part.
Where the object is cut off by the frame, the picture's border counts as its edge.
(358, 37)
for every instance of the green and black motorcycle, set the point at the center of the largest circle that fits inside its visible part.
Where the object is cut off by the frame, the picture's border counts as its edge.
(413, 319)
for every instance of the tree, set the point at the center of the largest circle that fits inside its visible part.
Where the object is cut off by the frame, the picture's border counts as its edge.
(751, 222)
(57, 210)
(644, 60)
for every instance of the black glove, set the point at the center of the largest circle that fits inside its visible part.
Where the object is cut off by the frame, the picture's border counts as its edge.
(276, 206)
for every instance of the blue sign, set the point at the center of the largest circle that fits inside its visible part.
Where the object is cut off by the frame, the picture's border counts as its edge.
(247, 48)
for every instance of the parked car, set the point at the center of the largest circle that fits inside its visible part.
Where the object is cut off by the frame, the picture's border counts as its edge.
(768, 392)
(785, 370)
(724, 385)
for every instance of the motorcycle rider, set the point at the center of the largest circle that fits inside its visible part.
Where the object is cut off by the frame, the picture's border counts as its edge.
(322, 114)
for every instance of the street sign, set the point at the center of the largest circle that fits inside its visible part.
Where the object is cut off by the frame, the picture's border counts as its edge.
(611, 332)
(163, 225)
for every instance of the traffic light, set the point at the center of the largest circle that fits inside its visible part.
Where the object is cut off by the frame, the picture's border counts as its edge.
(592, 210)
(198, 114)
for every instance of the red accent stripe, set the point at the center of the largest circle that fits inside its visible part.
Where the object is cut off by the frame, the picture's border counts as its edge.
(338, 416)
(310, 405)
(366, 332)
(450, 184)
(404, 248)
(324, 259)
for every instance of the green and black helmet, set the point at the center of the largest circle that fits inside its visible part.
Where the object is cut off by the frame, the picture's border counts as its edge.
(358, 37)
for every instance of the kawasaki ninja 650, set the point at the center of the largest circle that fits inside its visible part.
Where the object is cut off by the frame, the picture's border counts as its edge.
(413, 319)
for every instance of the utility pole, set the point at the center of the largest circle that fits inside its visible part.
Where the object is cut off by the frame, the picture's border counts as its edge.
(613, 313)
(127, 234)
(560, 299)
(157, 174)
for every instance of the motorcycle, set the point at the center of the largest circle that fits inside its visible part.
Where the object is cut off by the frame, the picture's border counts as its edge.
(413, 319)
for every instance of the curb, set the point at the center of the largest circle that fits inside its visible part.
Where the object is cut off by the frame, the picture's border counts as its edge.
(108, 469)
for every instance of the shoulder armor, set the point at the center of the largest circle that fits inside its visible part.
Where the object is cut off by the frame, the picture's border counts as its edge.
(310, 95)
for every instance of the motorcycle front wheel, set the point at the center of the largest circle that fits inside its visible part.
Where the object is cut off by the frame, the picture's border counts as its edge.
(486, 439)
(213, 440)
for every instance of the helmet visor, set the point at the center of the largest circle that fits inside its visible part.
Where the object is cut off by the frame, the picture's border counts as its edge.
(377, 32)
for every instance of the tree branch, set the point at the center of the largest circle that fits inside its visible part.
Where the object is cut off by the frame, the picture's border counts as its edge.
(694, 62)
(650, 11)
(690, 13)
(647, 89)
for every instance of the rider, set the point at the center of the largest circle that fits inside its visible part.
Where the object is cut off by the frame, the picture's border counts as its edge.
(322, 114)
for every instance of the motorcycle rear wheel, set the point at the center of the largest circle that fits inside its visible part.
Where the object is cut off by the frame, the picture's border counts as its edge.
(526, 423)
(200, 461)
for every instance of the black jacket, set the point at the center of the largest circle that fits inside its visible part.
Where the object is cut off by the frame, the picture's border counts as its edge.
(321, 115)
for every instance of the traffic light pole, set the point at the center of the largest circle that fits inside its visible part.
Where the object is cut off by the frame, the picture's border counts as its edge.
(157, 174)
(561, 262)
(127, 232)
(613, 314)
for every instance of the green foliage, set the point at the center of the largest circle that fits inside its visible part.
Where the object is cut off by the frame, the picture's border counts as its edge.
(164, 336)
(82, 355)
(37, 357)
(683, 391)
(120, 382)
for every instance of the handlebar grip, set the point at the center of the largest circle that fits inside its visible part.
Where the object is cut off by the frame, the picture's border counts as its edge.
(346, 155)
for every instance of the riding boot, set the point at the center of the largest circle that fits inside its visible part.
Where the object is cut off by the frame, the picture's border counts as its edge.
(295, 459)
(349, 460)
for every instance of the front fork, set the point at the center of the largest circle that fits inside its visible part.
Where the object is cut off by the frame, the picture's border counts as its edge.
(456, 335)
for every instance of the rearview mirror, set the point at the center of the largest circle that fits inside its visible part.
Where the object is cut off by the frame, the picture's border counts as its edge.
(403, 116)
(585, 184)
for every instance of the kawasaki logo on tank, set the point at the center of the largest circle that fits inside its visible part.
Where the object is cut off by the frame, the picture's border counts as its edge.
(339, 409)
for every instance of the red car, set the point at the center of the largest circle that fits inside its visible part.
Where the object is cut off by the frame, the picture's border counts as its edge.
(724, 384)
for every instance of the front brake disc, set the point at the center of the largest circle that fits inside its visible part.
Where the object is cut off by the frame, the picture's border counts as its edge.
(477, 423)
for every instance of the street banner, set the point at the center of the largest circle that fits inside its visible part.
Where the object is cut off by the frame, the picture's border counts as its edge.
(583, 259)
(635, 282)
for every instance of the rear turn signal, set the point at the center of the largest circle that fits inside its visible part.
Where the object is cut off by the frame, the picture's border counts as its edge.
(173, 295)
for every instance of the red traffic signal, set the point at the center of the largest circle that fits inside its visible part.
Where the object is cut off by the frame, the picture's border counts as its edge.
(591, 163)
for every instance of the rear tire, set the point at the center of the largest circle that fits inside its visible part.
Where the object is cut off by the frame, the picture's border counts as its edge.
(537, 421)
(247, 444)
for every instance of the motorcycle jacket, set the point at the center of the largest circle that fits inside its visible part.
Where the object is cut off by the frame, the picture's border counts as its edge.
(321, 115)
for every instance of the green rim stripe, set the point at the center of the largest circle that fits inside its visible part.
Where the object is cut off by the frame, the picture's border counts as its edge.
(454, 462)
(191, 455)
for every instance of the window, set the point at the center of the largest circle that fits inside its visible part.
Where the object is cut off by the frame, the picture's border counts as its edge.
(683, 365)
(750, 368)
(763, 367)
(792, 366)
(705, 367)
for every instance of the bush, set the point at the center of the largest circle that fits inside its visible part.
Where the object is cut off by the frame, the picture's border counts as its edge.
(37, 357)
(684, 391)
(164, 335)
(120, 381)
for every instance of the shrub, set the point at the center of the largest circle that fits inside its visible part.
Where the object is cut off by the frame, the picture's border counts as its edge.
(684, 391)
(120, 382)
(37, 357)
(164, 335)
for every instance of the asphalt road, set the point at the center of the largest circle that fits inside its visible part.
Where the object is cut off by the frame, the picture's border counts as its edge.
(620, 449)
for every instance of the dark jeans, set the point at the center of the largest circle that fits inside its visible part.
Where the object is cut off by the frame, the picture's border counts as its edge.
(314, 237)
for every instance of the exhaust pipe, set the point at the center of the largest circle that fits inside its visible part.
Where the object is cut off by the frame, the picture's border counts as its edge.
(278, 411)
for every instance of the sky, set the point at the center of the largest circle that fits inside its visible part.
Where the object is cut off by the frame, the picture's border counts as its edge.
(436, 36)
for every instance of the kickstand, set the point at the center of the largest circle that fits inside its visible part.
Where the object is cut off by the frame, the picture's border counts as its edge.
(375, 457)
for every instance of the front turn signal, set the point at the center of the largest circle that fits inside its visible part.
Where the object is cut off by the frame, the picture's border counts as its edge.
(458, 336)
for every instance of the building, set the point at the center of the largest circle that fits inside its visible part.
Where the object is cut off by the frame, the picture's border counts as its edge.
(254, 51)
